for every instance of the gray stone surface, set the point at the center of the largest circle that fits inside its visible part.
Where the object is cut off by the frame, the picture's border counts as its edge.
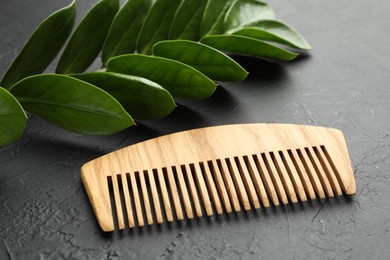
(343, 83)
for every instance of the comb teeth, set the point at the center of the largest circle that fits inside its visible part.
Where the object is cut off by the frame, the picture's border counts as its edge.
(222, 185)
(207, 187)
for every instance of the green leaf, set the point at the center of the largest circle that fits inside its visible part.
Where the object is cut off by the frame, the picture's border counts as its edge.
(275, 31)
(43, 45)
(178, 78)
(88, 38)
(242, 12)
(12, 118)
(157, 24)
(211, 62)
(72, 104)
(188, 19)
(143, 99)
(123, 34)
(214, 16)
(248, 46)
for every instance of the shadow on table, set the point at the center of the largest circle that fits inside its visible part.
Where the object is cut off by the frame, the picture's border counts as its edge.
(304, 214)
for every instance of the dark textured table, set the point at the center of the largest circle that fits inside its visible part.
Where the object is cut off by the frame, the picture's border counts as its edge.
(343, 83)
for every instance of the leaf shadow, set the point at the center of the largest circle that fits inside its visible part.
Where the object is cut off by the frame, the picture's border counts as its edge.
(222, 101)
(262, 71)
(303, 56)
(222, 98)
(51, 138)
(184, 117)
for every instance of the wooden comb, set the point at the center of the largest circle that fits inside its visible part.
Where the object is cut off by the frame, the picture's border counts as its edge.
(216, 169)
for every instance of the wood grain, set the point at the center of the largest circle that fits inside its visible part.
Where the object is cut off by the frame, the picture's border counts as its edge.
(215, 170)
